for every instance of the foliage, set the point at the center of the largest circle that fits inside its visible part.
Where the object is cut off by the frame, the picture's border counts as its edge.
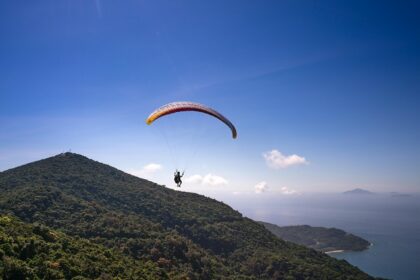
(37, 252)
(319, 238)
(188, 236)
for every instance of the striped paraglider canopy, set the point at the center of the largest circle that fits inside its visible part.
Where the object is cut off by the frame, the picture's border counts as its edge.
(176, 107)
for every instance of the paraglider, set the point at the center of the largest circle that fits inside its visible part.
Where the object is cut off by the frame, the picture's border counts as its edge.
(177, 178)
(176, 107)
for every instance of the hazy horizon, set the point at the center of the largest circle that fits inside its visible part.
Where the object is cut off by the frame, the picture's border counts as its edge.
(221, 193)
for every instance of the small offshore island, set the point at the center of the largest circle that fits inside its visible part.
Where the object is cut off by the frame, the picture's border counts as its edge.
(327, 240)
(358, 191)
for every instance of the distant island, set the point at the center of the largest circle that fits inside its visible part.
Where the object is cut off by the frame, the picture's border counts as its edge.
(358, 191)
(322, 239)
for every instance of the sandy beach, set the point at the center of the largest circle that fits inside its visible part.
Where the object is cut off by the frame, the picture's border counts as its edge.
(334, 251)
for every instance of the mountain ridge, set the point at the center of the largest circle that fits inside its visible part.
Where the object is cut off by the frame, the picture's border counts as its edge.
(189, 235)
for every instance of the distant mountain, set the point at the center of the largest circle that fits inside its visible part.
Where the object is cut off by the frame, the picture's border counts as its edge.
(358, 191)
(176, 234)
(319, 238)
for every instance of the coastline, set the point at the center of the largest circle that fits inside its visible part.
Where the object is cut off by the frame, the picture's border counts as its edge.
(334, 251)
(342, 251)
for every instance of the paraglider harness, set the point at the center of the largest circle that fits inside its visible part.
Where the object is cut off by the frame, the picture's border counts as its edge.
(177, 178)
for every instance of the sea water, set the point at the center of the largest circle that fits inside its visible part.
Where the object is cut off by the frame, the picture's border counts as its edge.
(391, 222)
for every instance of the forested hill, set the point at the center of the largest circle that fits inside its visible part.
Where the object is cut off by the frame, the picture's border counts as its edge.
(319, 238)
(188, 236)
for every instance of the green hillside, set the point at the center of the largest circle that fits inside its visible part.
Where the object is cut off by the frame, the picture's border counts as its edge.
(319, 238)
(186, 235)
(36, 252)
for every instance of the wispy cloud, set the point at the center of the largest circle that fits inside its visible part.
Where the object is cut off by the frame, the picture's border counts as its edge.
(255, 73)
(194, 179)
(98, 8)
(261, 187)
(287, 191)
(276, 160)
(147, 170)
(152, 168)
(209, 180)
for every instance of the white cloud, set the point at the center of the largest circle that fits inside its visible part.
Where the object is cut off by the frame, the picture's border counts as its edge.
(194, 179)
(148, 169)
(152, 168)
(209, 180)
(214, 180)
(261, 187)
(287, 191)
(276, 160)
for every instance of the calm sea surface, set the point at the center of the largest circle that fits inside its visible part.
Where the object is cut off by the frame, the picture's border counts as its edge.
(389, 221)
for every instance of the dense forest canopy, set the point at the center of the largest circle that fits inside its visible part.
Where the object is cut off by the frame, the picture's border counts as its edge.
(37, 252)
(174, 234)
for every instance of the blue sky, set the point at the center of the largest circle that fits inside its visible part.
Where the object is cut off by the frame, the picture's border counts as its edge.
(328, 91)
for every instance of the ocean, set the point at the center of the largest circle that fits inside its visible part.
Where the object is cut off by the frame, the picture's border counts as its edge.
(391, 222)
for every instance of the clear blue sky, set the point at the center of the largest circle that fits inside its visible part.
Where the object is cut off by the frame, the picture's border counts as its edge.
(334, 82)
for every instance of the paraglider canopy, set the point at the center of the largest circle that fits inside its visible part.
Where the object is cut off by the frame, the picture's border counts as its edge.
(176, 107)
